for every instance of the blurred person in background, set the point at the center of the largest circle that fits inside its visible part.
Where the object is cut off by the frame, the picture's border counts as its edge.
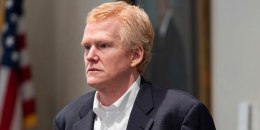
(118, 38)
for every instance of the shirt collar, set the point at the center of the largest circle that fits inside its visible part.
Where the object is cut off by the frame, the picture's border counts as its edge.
(121, 105)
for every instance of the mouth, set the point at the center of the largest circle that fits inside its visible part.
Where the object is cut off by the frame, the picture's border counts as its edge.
(93, 70)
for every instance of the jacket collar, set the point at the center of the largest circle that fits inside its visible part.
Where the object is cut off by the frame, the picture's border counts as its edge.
(141, 112)
(140, 115)
(86, 115)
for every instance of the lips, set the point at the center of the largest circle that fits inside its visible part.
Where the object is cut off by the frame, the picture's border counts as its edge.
(93, 69)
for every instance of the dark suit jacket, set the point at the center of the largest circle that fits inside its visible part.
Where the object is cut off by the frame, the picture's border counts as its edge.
(154, 109)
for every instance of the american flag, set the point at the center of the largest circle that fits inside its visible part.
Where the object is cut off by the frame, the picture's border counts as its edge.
(17, 102)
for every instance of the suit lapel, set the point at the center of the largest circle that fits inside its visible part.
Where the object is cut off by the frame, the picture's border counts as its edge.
(87, 117)
(86, 123)
(140, 116)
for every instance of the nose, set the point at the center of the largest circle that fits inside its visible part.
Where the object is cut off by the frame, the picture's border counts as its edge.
(91, 54)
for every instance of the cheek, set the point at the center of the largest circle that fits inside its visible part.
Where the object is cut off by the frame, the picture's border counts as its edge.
(121, 61)
(85, 59)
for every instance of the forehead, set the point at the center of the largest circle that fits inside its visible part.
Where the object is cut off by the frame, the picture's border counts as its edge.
(110, 27)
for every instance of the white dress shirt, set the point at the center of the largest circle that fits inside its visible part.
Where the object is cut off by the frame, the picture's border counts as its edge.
(115, 116)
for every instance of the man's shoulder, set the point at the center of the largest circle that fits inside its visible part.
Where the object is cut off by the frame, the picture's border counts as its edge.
(176, 102)
(71, 112)
(179, 107)
(172, 99)
(175, 96)
(169, 93)
(181, 95)
(76, 105)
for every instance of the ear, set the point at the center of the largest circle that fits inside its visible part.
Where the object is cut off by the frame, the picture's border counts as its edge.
(137, 57)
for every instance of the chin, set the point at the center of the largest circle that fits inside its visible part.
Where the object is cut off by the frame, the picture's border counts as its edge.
(93, 83)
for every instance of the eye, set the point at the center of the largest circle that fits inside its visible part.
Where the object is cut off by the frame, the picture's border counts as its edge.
(87, 47)
(103, 45)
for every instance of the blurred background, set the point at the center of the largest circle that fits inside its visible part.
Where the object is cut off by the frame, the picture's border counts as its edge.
(208, 48)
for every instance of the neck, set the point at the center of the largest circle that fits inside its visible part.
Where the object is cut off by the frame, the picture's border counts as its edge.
(108, 95)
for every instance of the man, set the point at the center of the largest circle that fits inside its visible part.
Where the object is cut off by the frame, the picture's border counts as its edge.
(118, 39)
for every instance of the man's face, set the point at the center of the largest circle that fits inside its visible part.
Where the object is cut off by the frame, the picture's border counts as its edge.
(107, 60)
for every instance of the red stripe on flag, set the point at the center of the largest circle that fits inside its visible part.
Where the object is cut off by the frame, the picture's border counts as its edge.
(9, 101)
(26, 73)
(28, 107)
(21, 41)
